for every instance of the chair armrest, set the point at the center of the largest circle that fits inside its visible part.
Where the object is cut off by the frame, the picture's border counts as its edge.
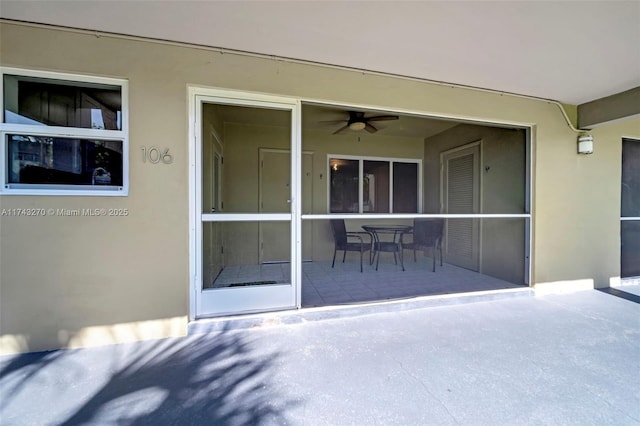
(358, 235)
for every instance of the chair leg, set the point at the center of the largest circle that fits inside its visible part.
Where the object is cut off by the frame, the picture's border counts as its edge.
(344, 256)
(361, 260)
(414, 255)
(395, 258)
(401, 260)
(435, 253)
(334, 257)
(440, 246)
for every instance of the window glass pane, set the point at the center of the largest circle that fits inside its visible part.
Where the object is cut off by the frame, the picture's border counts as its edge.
(630, 178)
(63, 161)
(39, 101)
(405, 187)
(344, 185)
(375, 187)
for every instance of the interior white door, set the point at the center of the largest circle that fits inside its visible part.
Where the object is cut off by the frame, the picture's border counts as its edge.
(274, 196)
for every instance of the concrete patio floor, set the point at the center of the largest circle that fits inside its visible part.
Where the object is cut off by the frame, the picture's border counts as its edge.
(556, 359)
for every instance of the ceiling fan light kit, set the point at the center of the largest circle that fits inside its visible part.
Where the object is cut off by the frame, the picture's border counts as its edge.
(357, 122)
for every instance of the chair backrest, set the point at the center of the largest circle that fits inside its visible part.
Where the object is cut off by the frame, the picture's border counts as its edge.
(427, 231)
(339, 231)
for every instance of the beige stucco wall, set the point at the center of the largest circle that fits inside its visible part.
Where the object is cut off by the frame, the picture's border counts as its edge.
(74, 281)
(577, 235)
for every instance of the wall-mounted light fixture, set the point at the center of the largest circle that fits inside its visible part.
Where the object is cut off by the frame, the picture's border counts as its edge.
(585, 144)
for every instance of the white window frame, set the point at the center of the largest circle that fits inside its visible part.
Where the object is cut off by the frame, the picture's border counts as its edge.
(361, 159)
(64, 132)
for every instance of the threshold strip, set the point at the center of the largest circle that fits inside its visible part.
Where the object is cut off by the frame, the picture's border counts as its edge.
(621, 294)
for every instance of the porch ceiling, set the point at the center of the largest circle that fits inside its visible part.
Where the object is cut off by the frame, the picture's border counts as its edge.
(573, 51)
(314, 118)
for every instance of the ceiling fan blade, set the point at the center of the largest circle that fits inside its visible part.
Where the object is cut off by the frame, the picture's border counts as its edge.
(341, 129)
(369, 128)
(332, 121)
(383, 118)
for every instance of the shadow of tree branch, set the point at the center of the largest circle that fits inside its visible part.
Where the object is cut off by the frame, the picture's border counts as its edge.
(219, 379)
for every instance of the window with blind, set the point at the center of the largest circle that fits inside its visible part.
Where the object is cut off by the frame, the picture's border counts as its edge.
(63, 134)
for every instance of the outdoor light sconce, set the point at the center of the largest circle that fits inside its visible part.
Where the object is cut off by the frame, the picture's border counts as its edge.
(585, 144)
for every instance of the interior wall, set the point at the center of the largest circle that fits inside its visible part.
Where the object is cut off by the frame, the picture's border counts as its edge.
(357, 144)
(503, 152)
(100, 280)
(212, 141)
(241, 185)
(503, 178)
(241, 178)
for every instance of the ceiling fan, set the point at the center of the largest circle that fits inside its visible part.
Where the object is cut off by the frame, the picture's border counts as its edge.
(357, 121)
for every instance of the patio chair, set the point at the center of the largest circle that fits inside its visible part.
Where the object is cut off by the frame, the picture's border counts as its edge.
(427, 234)
(341, 241)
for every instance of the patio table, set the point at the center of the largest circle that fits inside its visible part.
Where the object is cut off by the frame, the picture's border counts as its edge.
(392, 243)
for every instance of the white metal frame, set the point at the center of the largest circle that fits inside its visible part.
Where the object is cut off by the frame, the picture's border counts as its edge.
(297, 215)
(234, 300)
(68, 132)
(361, 159)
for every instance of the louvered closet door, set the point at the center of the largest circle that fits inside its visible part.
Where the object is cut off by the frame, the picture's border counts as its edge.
(461, 195)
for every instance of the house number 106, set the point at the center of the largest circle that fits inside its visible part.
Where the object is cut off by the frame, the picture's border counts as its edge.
(155, 156)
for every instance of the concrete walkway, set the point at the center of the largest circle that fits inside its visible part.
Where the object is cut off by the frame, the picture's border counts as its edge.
(560, 359)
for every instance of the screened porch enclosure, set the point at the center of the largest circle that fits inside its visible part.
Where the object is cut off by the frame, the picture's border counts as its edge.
(381, 184)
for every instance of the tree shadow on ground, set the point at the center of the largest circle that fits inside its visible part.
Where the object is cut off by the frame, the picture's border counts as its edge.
(208, 380)
(27, 366)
